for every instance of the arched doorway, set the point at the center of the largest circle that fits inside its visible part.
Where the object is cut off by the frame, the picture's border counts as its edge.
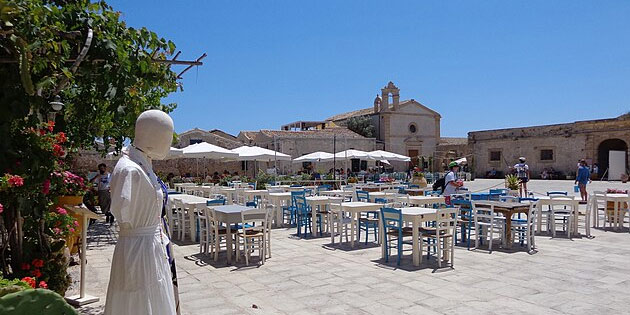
(603, 153)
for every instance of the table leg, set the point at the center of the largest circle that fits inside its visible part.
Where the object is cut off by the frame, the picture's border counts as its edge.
(353, 227)
(416, 246)
(539, 219)
(193, 223)
(381, 237)
(508, 231)
(616, 215)
(314, 219)
(228, 241)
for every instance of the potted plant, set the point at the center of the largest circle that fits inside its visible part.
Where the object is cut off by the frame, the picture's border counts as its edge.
(418, 178)
(511, 183)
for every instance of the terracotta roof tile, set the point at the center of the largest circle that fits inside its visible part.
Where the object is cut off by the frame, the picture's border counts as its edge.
(319, 133)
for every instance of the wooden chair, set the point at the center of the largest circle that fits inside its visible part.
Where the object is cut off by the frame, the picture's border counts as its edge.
(253, 233)
(442, 234)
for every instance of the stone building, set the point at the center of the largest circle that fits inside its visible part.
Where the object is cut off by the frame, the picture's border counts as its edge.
(405, 127)
(553, 146)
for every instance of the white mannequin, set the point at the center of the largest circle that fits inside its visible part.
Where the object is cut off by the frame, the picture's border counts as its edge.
(141, 281)
(154, 133)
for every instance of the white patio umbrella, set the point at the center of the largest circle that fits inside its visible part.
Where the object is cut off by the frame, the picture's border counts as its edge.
(318, 156)
(353, 154)
(461, 161)
(390, 156)
(254, 153)
(208, 151)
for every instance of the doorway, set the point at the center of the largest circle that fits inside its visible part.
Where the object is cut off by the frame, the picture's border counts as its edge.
(415, 160)
(603, 153)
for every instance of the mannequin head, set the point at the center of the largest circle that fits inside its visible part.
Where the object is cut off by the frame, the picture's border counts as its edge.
(154, 133)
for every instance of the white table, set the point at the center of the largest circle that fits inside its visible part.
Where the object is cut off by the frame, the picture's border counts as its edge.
(355, 208)
(617, 199)
(194, 203)
(560, 201)
(382, 194)
(229, 193)
(321, 202)
(414, 215)
(229, 214)
(341, 193)
(420, 200)
(250, 194)
(277, 201)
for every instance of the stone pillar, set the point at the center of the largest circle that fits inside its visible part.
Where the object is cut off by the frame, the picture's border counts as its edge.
(395, 99)
(385, 100)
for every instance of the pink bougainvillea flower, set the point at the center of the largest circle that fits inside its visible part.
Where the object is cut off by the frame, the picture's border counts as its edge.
(61, 210)
(15, 180)
(51, 125)
(46, 187)
(57, 230)
(36, 273)
(1, 208)
(43, 284)
(71, 230)
(76, 223)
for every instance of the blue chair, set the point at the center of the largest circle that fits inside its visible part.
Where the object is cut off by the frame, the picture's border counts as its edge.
(557, 193)
(370, 221)
(393, 231)
(302, 213)
(363, 195)
(501, 191)
(324, 187)
(402, 191)
(213, 202)
(414, 186)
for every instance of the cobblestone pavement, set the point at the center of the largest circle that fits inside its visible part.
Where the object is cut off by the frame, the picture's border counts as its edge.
(309, 276)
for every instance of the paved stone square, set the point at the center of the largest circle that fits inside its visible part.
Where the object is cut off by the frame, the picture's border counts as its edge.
(310, 276)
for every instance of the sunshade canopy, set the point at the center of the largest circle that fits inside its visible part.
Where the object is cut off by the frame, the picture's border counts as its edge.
(208, 151)
(318, 156)
(390, 156)
(254, 153)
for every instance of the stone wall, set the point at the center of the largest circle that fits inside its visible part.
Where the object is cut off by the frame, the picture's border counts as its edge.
(569, 142)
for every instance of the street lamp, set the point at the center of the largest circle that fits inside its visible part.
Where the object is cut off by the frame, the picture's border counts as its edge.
(56, 106)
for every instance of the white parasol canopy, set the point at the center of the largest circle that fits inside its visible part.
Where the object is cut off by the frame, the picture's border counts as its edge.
(318, 156)
(390, 156)
(461, 161)
(208, 151)
(254, 153)
(353, 154)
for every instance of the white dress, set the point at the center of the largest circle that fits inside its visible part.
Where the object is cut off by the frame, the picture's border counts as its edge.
(140, 280)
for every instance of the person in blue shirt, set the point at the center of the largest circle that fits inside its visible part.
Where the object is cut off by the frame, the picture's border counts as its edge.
(583, 177)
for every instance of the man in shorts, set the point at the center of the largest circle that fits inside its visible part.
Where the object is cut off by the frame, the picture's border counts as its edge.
(451, 182)
(522, 172)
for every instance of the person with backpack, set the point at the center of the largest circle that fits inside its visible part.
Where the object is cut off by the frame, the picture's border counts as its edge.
(522, 172)
(451, 182)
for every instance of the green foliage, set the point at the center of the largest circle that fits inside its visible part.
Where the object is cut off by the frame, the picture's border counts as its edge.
(362, 125)
(104, 94)
(35, 301)
(9, 286)
(263, 179)
(511, 182)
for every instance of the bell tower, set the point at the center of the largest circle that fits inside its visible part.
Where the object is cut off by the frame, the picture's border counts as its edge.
(386, 91)
(377, 104)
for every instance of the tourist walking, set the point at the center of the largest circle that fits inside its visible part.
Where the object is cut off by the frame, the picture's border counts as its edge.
(451, 182)
(583, 178)
(102, 179)
(522, 172)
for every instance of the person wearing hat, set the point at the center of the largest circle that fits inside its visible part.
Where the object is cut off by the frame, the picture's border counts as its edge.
(451, 182)
(522, 172)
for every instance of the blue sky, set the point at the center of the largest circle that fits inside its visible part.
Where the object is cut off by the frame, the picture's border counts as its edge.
(480, 64)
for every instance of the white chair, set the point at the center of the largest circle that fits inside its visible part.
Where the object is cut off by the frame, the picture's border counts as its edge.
(182, 218)
(172, 218)
(215, 234)
(253, 233)
(269, 209)
(338, 222)
(443, 235)
(597, 203)
(487, 223)
(527, 227)
(563, 212)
